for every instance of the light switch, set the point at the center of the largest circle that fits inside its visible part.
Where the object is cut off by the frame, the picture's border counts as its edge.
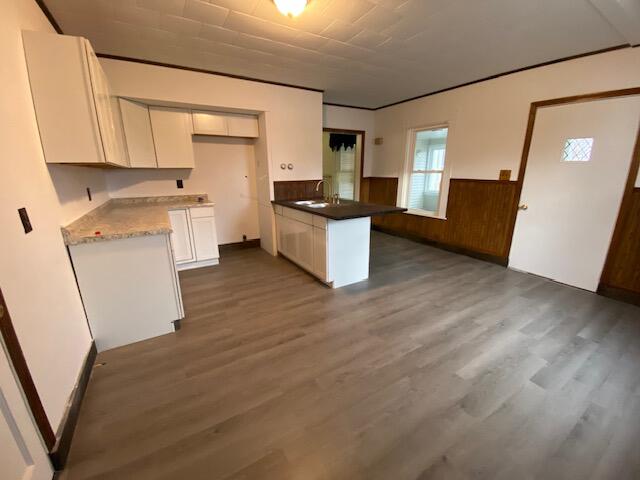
(24, 218)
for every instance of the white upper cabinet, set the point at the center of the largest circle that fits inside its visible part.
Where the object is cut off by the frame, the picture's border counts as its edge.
(172, 132)
(207, 123)
(225, 124)
(77, 114)
(138, 135)
(243, 126)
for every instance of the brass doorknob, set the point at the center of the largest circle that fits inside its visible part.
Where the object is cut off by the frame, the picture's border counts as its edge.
(524, 206)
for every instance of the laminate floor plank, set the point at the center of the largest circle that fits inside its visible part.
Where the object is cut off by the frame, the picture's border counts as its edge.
(439, 366)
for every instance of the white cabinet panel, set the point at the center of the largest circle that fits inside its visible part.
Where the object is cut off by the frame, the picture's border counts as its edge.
(304, 245)
(208, 123)
(181, 236)
(172, 130)
(109, 121)
(295, 241)
(205, 240)
(243, 126)
(320, 253)
(225, 124)
(138, 135)
(196, 212)
(62, 97)
(280, 231)
(128, 288)
(298, 215)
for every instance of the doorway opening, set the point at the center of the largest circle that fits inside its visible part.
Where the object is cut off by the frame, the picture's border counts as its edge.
(342, 162)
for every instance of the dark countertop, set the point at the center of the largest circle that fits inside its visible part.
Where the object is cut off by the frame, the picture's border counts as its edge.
(345, 210)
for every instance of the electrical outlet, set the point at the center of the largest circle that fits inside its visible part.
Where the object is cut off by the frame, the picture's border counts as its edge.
(89, 194)
(179, 183)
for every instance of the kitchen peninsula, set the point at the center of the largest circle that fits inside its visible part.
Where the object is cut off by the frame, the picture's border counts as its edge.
(329, 240)
(126, 254)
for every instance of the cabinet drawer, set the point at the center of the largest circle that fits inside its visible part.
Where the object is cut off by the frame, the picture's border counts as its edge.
(320, 222)
(297, 215)
(199, 212)
(277, 209)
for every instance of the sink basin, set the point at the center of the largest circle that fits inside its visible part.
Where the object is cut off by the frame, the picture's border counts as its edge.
(304, 202)
(317, 205)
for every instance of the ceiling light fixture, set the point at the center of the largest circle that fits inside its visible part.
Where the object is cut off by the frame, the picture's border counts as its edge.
(291, 8)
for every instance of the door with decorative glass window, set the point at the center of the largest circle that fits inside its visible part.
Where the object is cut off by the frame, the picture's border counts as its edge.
(574, 181)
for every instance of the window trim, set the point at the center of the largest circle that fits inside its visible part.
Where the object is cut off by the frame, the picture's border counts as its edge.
(407, 170)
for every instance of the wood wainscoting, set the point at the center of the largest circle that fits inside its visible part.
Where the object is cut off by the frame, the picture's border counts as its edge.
(621, 276)
(478, 216)
(297, 190)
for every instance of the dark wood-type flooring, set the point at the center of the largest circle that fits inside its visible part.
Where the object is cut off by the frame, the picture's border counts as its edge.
(438, 367)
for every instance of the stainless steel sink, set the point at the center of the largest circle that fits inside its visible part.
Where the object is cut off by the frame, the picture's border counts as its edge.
(317, 205)
(304, 202)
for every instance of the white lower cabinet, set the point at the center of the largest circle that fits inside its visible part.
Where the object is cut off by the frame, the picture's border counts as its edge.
(129, 288)
(334, 251)
(302, 242)
(194, 238)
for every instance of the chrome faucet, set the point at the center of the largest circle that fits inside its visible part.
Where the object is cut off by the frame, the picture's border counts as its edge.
(324, 196)
(334, 198)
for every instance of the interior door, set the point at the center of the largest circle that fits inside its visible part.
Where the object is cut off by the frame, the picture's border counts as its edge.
(574, 181)
(22, 454)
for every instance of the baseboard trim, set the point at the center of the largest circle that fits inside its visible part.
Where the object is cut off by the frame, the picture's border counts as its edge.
(502, 261)
(231, 247)
(620, 294)
(60, 451)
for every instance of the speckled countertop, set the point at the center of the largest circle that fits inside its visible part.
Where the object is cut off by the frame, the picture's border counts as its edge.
(129, 217)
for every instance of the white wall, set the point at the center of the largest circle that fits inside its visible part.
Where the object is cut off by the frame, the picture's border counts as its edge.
(35, 274)
(488, 120)
(354, 119)
(225, 169)
(294, 120)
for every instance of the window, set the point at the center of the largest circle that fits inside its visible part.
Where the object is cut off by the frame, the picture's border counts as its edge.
(346, 166)
(577, 150)
(426, 171)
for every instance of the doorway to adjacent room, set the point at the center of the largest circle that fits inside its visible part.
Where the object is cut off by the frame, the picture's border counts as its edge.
(342, 162)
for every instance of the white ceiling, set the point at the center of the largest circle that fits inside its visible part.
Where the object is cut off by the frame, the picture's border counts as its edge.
(361, 52)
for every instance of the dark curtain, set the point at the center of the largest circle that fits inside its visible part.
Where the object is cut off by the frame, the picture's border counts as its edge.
(339, 140)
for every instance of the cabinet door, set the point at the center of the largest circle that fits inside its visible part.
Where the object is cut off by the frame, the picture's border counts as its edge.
(304, 245)
(287, 237)
(62, 97)
(172, 129)
(208, 123)
(108, 112)
(205, 239)
(320, 253)
(243, 126)
(280, 233)
(181, 236)
(137, 133)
